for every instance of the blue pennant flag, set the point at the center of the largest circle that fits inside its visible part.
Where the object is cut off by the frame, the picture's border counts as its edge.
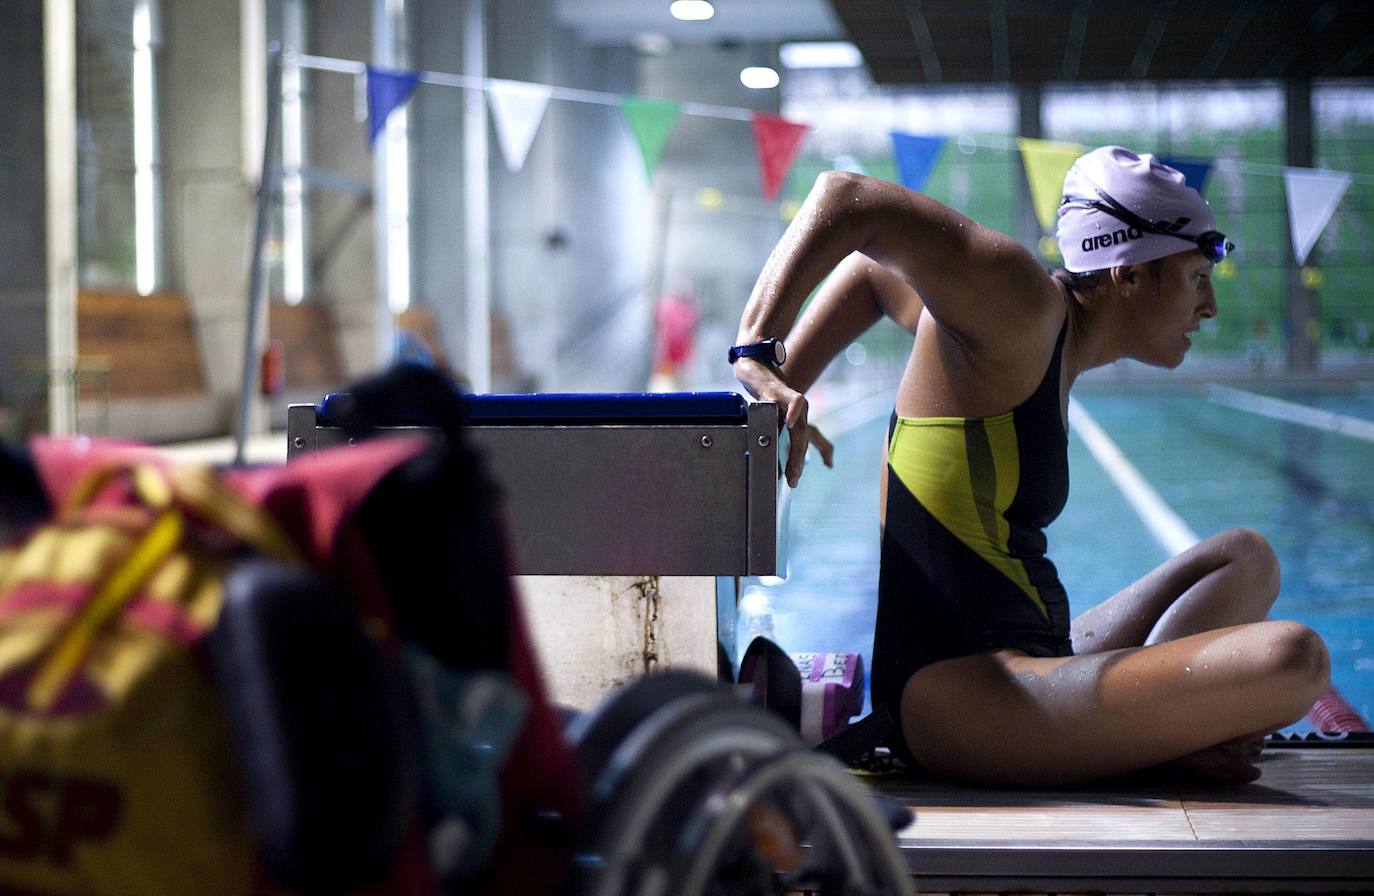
(1194, 171)
(386, 90)
(916, 157)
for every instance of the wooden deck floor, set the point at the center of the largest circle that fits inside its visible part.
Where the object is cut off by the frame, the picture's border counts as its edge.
(1306, 826)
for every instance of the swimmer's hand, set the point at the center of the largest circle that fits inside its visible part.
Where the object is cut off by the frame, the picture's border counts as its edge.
(824, 446)
(766, 384)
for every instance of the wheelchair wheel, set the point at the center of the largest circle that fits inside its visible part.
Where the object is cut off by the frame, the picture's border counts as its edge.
(597, 734)
(654, 780)
(707, 795)
(798, 816)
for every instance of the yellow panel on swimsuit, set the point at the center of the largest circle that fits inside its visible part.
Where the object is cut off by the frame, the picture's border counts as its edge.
(966, 472)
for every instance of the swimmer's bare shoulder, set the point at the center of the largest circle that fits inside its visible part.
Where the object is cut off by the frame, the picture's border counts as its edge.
(985, 291)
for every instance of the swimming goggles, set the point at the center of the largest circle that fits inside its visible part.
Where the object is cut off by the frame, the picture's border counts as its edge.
(1212, 244)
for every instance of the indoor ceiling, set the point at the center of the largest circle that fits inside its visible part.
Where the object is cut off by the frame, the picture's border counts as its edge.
(1021, 41)
(622, 21)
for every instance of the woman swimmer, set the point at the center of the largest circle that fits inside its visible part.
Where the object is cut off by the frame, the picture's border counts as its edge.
(974, 652)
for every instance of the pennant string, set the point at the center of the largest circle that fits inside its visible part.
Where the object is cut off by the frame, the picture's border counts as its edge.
(707, 110)
(470, 82)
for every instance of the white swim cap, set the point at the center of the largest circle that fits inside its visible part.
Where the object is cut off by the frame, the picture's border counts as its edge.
(1121, 208)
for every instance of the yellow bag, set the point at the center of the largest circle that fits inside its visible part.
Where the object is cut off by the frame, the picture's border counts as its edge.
(116, 773)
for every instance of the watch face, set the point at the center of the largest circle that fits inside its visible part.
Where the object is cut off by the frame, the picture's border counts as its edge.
(779, 352)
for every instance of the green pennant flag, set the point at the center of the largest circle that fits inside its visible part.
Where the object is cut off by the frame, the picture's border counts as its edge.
(1047, 162)
(651, 121)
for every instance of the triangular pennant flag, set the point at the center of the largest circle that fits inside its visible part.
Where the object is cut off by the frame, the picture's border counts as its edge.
(777, 141)
(916, 157)
(651, 121)
(387, 89)
(1313, 195)
(1046, 163)
(1194, 171)
(518, 107)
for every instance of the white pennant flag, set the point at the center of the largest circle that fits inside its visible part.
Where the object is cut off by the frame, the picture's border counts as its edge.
(518, 107)
(1313, 194)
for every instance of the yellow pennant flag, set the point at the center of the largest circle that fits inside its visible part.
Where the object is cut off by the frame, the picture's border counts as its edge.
(1047, 161)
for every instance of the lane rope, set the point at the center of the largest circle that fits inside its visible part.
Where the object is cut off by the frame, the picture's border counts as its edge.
(1168, 528)
(1290, 412)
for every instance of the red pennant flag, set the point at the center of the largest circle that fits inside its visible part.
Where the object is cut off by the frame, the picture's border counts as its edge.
(777, 141)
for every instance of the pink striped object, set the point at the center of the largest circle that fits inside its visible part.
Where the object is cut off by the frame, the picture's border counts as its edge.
(1332, 715)
(832, 693)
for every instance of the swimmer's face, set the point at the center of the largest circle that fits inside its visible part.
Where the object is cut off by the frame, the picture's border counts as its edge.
(1175, 305)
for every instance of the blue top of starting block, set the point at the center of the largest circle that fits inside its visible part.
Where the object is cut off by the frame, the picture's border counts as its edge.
(589, 408)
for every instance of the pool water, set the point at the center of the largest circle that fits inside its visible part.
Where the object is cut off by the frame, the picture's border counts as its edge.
(1309, 492)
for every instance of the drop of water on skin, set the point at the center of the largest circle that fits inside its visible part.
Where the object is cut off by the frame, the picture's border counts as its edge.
(1187, 668)
(1204, 667)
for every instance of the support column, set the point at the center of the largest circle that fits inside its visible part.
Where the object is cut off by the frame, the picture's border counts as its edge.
(391, 183)
(344, 259)
(1026, 226)
(23, 195)
(476, 202)
(1300, 309)
(59, 139)
(207, 125)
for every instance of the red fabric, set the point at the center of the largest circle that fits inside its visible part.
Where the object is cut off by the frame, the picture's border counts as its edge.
(315, 499)
(61, 462)
(675, 322)
(777, 141)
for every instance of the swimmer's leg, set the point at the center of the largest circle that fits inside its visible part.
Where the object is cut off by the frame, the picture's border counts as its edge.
(1228, 579)
(1007, 718)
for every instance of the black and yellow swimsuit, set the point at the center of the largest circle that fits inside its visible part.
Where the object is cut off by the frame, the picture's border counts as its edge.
(963, 566)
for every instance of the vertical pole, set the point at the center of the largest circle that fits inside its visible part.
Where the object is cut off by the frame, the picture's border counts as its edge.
(59, 130)
(1024, 221)
(252, 341)
(295, 249)
(476, 201)
(1300, 309)
(253, 74)
(390, 186)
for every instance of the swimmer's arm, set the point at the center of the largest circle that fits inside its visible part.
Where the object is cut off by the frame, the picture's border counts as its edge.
(979, 284)
(853, 298)
(973, 280)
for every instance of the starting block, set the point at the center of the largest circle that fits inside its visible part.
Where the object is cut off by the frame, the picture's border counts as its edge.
(622, 510)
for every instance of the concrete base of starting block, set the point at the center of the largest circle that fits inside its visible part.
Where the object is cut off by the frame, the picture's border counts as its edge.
(594, 633)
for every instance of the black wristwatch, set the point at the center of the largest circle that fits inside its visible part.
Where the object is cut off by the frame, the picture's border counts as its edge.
(769, 351)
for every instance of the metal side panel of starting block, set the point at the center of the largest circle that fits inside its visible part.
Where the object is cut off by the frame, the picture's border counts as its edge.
(675, 484)
(621, 511)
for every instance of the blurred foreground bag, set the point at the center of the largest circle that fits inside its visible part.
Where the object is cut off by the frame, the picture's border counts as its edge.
(173, 717)
(115, 762)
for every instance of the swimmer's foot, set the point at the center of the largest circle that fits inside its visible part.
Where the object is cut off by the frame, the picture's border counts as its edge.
(1230, 763)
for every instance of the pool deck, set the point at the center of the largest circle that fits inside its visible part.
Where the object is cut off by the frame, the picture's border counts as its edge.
(1306, 826)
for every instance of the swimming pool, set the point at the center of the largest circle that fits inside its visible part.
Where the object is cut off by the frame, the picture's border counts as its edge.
(1216, 460)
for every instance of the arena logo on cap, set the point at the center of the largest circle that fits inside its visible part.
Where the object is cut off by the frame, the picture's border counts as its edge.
(1131, 232)
(1103, 240)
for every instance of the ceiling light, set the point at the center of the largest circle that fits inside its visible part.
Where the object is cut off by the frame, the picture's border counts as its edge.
(821, 54)
(758, 77)
(692, 10)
